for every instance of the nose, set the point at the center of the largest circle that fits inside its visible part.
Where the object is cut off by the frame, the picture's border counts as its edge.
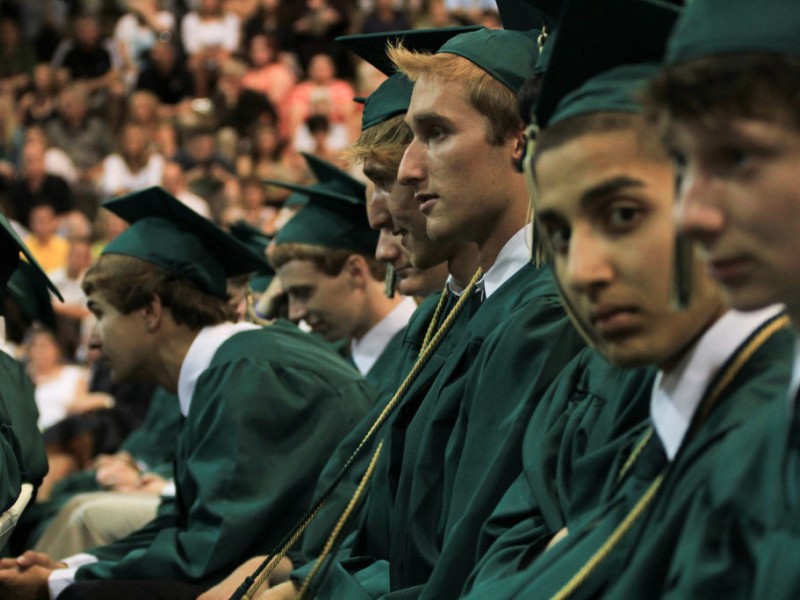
(388, 247)
(588, 266)
(297, 310)
(698, 211)
(412, 166)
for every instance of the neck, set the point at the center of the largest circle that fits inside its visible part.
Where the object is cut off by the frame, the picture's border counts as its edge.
(376, 309)
(170, 354)
(463, 264)
(510, 221)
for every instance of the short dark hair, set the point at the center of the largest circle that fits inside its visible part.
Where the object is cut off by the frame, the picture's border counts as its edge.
(129, 283)
(710, 89)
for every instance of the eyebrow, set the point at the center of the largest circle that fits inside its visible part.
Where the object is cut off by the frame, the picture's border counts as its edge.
(608, 187)
(428, 118)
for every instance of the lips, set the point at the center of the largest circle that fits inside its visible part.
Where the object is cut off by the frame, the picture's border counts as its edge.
(728, 270)
(426, 201)
(610, 321)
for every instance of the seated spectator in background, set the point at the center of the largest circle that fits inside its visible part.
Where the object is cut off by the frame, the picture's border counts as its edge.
(38, 105)
(174, 181)
(270, 17)
(238, 110)
(385, 17)
(144, 109)
(107, 226)
(267, 73)
(319, 135)
(8, 137)
(34, 186)
(86, 138)
(210, 36)
(321, 78)
(44, 241)
(56, 161)
(167, 77)
(134, 167)
(81, 512)
(269, 159)
(17, 57)
(91, 59)
(315, 23)
(256, 211)
(58, 387)
(73, 321)
(469, 11)
(137, 31)
(207, 172)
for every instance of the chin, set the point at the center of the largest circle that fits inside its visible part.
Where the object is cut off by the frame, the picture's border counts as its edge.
(749, 299)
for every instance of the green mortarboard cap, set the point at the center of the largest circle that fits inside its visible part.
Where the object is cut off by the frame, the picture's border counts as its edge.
(711, 27)
(524, 15)
(508, 56)
(332, 218)
(393, 96)
(167, 233)
(257, 241)
(10, 246)
(28, 288)
(594, 37)
(295, 199)
(390, 99)
(372, 46)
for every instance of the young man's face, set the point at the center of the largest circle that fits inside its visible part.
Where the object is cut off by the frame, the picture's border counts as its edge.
(739, 199)
(459, 178)
(608, 209)
(327, 303)
(120, 338)
(420, 265)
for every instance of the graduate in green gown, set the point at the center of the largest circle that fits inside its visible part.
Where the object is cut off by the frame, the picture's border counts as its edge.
(262, 406)
(727, 102)
(405, 521)
(21, 444)
(325, 259)
(605, 202)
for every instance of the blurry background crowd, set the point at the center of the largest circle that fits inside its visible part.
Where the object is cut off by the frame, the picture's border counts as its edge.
(204, 97)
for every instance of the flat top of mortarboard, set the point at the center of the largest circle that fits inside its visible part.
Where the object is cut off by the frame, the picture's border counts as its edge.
(11, 245)
(167, 233)
(593, 37)
(28, 288)
(372, 46)
(508, 56)
(524, 15)
(713, 27)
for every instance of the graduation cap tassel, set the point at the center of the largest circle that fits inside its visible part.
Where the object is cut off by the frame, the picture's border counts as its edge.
(391, 281)
(250, 585)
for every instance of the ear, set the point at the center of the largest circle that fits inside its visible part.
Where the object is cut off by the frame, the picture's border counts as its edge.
(518, 151)
(356, 270)
(153, 314)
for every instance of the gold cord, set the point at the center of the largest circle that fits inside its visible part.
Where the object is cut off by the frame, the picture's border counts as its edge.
(260, 576)
(340, 524)
(755, 342)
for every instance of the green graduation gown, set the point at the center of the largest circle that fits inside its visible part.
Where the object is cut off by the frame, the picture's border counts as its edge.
(567, 452)
(264, 417)
(635, 566)
(409, 511)
(21, 445)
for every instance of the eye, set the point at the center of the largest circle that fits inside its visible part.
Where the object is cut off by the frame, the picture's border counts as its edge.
(558, 235)
(621, 217)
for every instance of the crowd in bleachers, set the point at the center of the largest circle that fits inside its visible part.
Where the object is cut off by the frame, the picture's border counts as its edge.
(206, 98)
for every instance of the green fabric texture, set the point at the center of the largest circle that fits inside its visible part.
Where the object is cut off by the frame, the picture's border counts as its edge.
(612, 91)
(508, 56)
(712, 27)
(447, 456)
(239, 490)
(390, 99)
(166, 233)
(593, 37)
(257, 241)
(11, 245)
(639, 563)
(578, 428)
(336, 214)
(524, 15)
(28, 288)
